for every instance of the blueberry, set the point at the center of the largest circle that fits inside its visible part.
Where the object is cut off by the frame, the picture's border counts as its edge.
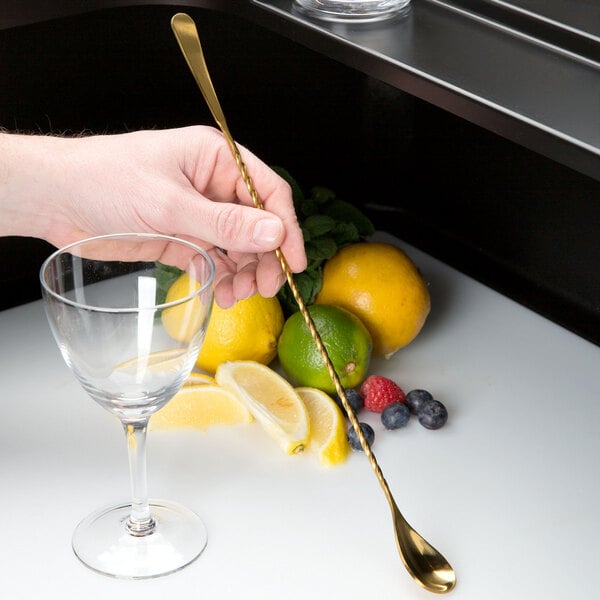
(367, 432)
(415, 399)
(433, 414)
(355, 400)
(395, 415)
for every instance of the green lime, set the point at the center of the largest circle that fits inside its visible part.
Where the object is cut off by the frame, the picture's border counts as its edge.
(346, 339)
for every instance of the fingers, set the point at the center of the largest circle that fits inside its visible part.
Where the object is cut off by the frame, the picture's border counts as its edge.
(223, 286)
(269, 276)
(241, 276)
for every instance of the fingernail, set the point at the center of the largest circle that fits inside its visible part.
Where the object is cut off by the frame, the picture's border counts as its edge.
(266, 231)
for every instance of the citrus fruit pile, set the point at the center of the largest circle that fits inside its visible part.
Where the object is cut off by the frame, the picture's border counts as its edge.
(373, 301)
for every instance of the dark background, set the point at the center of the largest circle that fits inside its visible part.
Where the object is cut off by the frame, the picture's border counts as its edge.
(513, 219)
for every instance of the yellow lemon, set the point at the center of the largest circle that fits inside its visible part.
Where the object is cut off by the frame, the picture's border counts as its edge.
(346, 340)
(200, 406)
(328, 437)
(272, 401)
(247, 331)
(196, 378)
(380, 284)
(182, 321)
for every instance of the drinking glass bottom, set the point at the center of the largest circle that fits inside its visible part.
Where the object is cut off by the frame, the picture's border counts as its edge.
(102, 542)
(355, 11)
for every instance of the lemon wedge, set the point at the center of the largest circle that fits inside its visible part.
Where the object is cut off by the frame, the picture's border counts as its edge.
(271, 399)
(199, 407)
(328, 438)
(195, 378)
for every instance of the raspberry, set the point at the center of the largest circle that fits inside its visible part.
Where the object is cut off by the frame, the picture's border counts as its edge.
(378, 392)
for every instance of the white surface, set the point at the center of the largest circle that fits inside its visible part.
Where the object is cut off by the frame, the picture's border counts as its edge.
(508, 490)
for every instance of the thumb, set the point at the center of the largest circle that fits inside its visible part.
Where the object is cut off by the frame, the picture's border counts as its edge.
(234, 227)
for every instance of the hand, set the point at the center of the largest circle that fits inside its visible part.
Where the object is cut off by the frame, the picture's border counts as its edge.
(182, 182)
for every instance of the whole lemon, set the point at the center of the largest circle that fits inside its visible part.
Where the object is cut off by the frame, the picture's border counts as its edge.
(346, 339)
(246, 331)
(182, 321)
(380, 284)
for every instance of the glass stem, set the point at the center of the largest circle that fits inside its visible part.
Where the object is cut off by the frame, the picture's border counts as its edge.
(140, 522)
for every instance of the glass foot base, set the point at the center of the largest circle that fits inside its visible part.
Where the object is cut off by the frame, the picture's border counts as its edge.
(102, 542)
(355, 11)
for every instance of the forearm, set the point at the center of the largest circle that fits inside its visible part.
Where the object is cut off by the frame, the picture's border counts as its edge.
(33, 172)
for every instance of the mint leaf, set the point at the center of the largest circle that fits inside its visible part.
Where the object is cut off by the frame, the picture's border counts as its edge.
(318, 225)
(321, 195)
(320, 249)
(308, 283)
(345, 233)
(343, 211)
(307, 208)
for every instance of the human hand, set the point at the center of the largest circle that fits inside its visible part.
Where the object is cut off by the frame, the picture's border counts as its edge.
(182, 182)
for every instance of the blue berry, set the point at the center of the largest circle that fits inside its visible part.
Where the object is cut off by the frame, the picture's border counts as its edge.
(367, 432)
(433, 414)
(395, 415)
(416, 398)
(355, 400)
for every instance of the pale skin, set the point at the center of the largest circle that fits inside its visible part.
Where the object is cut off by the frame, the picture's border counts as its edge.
(182, 182)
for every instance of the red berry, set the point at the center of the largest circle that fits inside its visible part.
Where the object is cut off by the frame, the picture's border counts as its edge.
(379, 392)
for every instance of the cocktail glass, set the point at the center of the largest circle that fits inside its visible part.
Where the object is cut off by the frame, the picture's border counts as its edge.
(131, 345)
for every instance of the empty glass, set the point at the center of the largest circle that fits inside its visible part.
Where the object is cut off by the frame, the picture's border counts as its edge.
(131, 343)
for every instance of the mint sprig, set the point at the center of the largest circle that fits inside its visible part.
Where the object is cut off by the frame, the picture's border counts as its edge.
(328, 223)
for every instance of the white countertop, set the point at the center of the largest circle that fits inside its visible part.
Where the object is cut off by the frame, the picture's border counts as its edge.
(508, 490)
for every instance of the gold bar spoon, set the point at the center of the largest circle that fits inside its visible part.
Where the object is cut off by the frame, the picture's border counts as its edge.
(424, 563)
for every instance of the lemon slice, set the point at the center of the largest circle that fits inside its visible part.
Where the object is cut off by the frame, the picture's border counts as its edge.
(162, 361)
(199, 407)
(271, 399)
(327, 427)
(198, 379)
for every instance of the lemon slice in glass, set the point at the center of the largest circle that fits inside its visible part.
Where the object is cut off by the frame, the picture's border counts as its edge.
(162, 360)
(328, 439)
(271, 399)
(199, 407)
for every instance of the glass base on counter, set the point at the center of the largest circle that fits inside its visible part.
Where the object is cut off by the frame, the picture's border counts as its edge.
(103, 542)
